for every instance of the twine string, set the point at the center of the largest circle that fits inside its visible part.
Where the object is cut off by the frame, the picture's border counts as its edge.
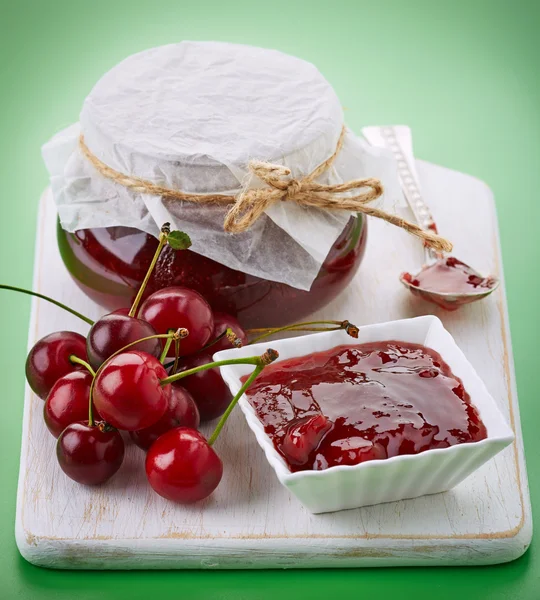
(249, 205)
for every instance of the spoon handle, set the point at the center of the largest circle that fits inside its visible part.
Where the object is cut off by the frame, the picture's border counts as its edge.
(389, 137)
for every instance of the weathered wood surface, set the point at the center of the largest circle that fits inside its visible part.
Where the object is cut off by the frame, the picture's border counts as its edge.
(251, 521)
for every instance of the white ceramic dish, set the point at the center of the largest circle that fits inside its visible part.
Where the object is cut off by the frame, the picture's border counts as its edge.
(397, 478)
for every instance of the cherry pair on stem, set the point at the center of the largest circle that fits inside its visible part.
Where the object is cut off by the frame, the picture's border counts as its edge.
(181, 464)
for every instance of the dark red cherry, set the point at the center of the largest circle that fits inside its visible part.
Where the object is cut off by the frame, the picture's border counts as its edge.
(181, 466)
(90, 455)
(222, 322)
(68, 401)
(115, 331)
(180, 307)
(208, 389)
(127, 391)
(303, 436)
(49, 360)
(181, 412)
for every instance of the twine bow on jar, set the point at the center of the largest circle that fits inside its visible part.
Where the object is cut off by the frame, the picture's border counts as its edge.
(251, 203)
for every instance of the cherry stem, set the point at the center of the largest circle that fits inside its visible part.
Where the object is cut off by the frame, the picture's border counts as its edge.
(43, 297)
(176, 355)
(79, 361)
(233, 403)
(212, 342)
(166, 347)
(253, 360)
(165, 230)
(305, 323)
(231, 336)
(265, 359)
(351, 329)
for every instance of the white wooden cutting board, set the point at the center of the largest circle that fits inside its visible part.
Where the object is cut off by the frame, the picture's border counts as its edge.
(251, 521)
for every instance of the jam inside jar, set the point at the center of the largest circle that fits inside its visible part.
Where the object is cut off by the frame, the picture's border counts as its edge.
(109, 264)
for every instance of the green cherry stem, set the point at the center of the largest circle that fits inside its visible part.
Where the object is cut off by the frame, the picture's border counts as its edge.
(165, 230)
(43, 297)
(220, 363)
(351, 329)
(79, 361)
(265, 359)
(173, 336)
(233, 403)
(176, 356)
(165, 349)
(212, 342)
(231, 336)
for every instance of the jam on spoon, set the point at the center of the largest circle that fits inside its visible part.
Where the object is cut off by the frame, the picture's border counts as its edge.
(352, 404)
(451, 277)
(444, 280)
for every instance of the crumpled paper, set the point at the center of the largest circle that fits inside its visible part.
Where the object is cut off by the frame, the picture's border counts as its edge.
(190, 116)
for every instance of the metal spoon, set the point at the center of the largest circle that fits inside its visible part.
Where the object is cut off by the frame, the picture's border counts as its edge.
(435, 281)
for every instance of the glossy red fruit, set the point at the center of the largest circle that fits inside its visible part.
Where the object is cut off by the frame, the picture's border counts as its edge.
(49, 360)
(208, 389)
(177, 307)
(109, 264)
(127, 391)
(303, 437)
(90, 455)
(181, 466)
(222, 322)
(67, 401)
(181, 412)
(115, 331)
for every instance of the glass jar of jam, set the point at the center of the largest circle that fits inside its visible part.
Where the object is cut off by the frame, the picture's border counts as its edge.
(108, 264)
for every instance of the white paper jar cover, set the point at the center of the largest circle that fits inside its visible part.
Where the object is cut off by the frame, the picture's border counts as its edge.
(190, 116)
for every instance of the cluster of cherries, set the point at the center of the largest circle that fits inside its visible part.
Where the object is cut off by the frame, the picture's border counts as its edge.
(147, 371)
(125, 376)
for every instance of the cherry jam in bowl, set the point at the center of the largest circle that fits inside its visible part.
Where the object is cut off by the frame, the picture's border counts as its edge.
(398, 413)
(110, 263)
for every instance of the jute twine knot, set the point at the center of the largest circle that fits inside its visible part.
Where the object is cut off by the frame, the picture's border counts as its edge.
(251, 203)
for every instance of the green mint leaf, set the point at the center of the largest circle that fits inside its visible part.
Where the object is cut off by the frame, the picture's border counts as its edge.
(178, 240)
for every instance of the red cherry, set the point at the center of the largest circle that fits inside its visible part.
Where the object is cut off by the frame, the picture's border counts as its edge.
(90, 455)
(109, 263)
(303, 436)
(127, 391)
(179, 307)
(49, 360)
(222, 322)
(116, 330)
(67, 401)
(181, 412)
(181, 466)
(208, 389)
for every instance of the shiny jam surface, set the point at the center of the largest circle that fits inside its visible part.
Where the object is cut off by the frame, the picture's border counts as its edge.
(351, 404)
(449, 276)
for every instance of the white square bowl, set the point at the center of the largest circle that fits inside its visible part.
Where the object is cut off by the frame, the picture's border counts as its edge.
(396, 478)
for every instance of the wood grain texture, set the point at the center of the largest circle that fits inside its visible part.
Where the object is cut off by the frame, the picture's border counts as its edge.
(251, 521)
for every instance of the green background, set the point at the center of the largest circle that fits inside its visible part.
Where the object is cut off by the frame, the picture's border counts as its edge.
(463, 74)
